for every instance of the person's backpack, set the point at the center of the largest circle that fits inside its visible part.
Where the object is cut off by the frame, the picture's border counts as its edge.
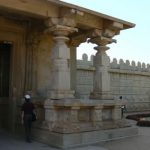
(34, 118)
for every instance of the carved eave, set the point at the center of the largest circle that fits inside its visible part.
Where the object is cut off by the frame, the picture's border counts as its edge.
(112, 28)
(92, 13)
(70, 16)
(53, 8)
(30, 8)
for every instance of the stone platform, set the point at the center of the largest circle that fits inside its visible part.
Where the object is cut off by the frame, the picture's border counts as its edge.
(76, 122)
(84, 138)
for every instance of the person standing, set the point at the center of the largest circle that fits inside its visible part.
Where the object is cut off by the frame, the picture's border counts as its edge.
(123, 106)
(27, 110)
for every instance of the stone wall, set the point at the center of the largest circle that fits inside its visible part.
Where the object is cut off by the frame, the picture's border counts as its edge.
(84, 77)
(128, 79)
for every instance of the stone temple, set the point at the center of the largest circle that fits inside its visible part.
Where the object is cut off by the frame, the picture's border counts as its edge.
(38, 41)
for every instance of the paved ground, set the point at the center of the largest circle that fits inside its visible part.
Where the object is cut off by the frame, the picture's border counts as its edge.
(141, 142)
(9, 142)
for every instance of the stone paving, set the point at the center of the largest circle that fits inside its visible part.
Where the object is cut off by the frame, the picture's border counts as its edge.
(140, 142)
(8, 142)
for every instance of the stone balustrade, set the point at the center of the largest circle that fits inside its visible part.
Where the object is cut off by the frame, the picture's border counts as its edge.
(78, 115)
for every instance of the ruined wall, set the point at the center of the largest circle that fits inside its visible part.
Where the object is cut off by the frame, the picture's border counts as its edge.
(128, 79)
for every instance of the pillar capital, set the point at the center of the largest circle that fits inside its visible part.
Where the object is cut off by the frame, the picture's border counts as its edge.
(64, 21)
(61, 30)
(104, 36)
(60, 26)
(101, 40)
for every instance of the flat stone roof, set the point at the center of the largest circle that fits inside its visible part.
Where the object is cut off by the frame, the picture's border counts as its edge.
(104, 16)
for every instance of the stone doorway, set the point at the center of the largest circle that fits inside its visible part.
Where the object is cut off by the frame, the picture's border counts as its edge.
(5, 49)
(12, 84)
(5, 56)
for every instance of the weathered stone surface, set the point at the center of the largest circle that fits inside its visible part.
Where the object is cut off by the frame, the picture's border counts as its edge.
(39, 32)
(84, 138)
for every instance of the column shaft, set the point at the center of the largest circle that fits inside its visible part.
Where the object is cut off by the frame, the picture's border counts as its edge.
(101, 87)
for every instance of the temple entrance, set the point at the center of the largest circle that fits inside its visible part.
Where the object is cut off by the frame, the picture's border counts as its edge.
(5, 55)
(5, 49)
(12, 71)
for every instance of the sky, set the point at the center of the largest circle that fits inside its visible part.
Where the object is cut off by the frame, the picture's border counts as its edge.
(132, 44)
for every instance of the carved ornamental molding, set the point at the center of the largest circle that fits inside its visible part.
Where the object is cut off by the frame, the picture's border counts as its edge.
(60, 27)
(105, 36)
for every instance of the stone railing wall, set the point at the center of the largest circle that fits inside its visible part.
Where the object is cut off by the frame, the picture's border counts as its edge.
(128, 79)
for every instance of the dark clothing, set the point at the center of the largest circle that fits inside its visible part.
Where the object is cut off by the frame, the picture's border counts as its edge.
(27, 125)
(27, 109)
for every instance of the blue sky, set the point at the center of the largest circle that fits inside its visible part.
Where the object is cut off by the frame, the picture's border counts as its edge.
(132, 44)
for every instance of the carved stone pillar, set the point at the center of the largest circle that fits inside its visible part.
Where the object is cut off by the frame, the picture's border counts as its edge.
(101, 77)
(101, 87)
(60, 60)
(102, 38)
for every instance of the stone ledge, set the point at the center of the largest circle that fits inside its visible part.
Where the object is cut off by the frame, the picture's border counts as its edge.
(81, 102)
(80, 127)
